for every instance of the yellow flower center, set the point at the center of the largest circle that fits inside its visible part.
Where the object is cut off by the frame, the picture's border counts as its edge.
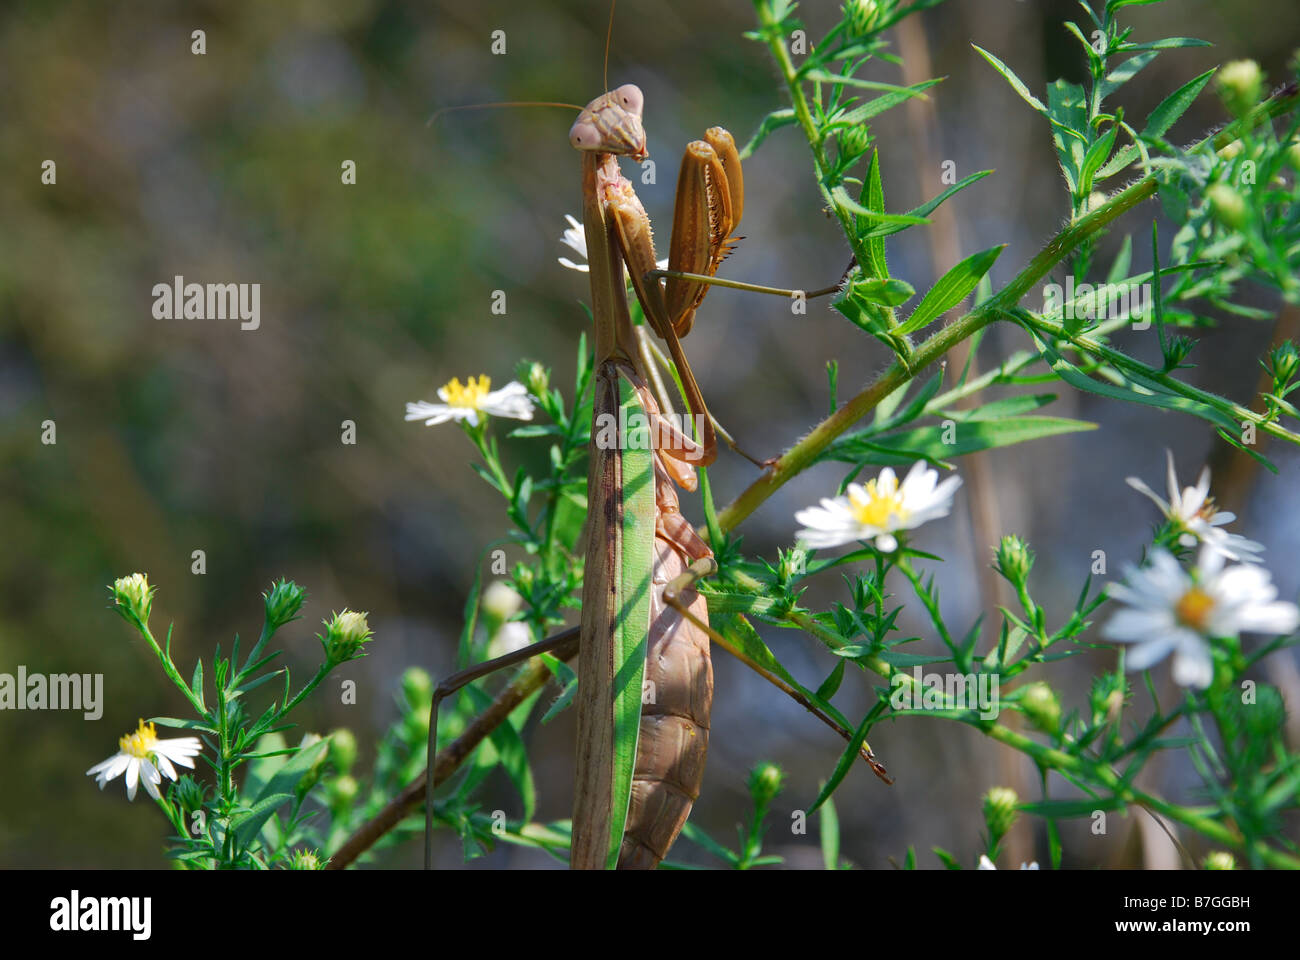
(879, 501)
(1193, 609)
(141, 743)
(471, 394)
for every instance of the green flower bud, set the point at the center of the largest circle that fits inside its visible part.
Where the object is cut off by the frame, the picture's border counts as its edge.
(1107, 697)
(793, 565)
(313, 775)
(1000, 812)
(344, 636)
(1283, 363)
(864, 16)
(188, 794)
(538, 379)
(342, 793)
(133, 597)
(1219, 860)
(304, 860)
(1240, 84)
(1014, 559)
(765, 782)
(283, 601)
(1293, 155)
(1040, 705)
(855, 140)
(1227, 204)
(342, 749)
(417, 687)
(1264, 718)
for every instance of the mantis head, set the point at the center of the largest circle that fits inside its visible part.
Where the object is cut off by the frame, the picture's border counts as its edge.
(612, 124)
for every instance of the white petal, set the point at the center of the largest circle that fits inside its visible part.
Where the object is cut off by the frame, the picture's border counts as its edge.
(821, 539)
(1146, 491)
(165, 766)
(1171, 478)
(1193, 666)
(117, 760)
(1148, 652)
(132, 777)
(1276, 618)
(1134, 625)
(986, 863)
(886, 543)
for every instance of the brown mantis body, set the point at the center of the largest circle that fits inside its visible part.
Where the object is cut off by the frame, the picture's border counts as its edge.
(673, 738)
(642, 558)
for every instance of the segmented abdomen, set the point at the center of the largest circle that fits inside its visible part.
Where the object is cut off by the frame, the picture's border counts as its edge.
(674, 736)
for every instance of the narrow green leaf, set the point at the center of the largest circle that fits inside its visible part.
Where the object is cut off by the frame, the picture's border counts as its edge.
(1159, 121)
(247, 825)
(1126, 71)
(1097, 154)
(1172, 43)
(1016, 83)
(952, 288)
(841, 197)
(825, 76)
(1000, 409)
(1070, 809)
(829, 830)
(879, 105)
(773, 121)
(846, 762)
(927, 208)
(1068, 109)
(183, 724)
(196, 683)
(285, 779)
(1113, 5)
(879, 265)
(1136, 392)
(832, 682)
(937, 443)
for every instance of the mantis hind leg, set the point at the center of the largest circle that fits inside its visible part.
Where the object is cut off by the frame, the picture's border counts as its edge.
(563, 644)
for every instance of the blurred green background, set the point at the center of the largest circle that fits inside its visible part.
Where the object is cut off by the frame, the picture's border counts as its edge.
(183, 435)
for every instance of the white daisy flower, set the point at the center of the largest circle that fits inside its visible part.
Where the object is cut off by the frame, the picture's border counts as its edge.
(471, 400)
(143, 757)
(575, 238)
(1172, 611)
(878, 510)
(1194, 512)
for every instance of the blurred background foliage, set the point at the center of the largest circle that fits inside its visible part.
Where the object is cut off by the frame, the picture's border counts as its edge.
(184, 435)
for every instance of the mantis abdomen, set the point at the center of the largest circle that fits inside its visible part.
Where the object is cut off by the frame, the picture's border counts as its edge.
(678, 693)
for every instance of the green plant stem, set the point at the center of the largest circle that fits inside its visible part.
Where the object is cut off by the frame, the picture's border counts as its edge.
(169, 668)
(1123, 361)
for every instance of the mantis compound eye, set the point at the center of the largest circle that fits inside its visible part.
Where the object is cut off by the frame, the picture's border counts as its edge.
(583, 135)
(630, 98)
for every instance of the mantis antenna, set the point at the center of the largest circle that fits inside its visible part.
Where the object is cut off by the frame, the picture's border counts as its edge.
(609, 33)
(502, 103)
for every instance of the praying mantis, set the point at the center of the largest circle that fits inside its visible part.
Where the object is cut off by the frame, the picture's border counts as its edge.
(645, 680)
